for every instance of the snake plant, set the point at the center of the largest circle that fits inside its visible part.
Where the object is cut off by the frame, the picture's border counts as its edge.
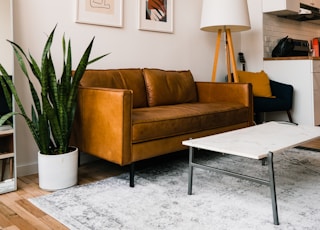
(53, 108)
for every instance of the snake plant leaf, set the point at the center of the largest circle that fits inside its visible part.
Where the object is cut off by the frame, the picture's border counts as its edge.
(53, 108)
(9, 86)
(98, 58)
(5, 117)
(6, 91)
(19, 53)
(44, 135)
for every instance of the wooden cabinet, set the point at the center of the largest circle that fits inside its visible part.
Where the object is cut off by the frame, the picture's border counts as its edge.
(304, 76)
(286, 7)
(281, 7)
(7, 161)
(307, 2)
(313, 3)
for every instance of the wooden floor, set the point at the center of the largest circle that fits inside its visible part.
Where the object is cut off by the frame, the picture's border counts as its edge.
(17, 213)
(314, 144)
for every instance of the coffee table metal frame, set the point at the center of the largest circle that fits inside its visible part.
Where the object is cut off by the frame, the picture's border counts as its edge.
(258, 142)
(270, 183)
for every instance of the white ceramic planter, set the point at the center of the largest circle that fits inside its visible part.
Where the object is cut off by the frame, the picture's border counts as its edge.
(58, 171)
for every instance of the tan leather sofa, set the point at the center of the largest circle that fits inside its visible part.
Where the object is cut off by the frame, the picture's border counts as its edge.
(128, 115)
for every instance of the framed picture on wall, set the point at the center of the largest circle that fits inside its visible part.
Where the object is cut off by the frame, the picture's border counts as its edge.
(100, 12)
(156, 15)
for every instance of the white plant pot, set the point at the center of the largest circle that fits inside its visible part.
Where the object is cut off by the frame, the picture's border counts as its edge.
(58, 171)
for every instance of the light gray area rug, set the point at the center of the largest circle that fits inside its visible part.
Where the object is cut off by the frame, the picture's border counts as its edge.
(159, 199)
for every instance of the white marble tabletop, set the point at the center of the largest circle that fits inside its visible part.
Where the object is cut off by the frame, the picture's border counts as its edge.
(257, 141)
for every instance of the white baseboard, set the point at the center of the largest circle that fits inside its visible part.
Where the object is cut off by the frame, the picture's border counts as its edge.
(24, 170)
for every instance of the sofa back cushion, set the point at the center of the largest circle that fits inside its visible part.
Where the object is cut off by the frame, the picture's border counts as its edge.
(119, 79)
(169, 87)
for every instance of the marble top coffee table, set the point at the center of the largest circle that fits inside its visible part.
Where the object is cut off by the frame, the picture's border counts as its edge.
(258, 142)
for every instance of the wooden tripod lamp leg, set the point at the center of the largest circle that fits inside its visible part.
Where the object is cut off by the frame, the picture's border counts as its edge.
(216, 56)
(228, 60)
(231, 52)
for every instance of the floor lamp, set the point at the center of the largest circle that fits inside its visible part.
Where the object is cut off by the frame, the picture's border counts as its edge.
(225, 16)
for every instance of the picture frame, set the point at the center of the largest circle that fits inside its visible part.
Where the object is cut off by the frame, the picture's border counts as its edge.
(100, 12)
(159, 21)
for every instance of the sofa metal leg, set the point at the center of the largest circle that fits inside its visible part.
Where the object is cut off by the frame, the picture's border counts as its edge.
(79, 158)
(132, 175)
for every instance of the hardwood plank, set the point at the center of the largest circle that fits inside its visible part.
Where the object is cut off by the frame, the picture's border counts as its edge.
(53, 223)
(16, 212)
(21, 223)
(33, 210)
(4, 212)
(12, 217)
(11, 228)
(312, 145)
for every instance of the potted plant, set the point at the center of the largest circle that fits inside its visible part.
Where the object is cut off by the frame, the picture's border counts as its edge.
(52, 110)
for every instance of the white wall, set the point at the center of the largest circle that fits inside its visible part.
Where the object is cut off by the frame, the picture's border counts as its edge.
(186, 48)
(6, 55)
(252, 40)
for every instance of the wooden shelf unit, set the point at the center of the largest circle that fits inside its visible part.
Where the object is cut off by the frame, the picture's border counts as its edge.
(6, 151)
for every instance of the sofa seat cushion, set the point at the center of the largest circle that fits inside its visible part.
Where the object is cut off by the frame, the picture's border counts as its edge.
(164, 121)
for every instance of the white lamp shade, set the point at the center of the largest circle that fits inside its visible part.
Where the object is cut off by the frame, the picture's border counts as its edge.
(225, 14)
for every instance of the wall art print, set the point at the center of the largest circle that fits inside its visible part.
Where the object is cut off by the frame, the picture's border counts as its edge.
(156, 15)
(100, 12)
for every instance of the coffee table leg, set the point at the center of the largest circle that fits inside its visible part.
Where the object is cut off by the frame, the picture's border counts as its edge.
(273, 189)
(190, 176)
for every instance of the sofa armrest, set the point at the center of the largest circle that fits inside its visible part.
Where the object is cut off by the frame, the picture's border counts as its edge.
(227, 92)
(103, 123)
(282, 90)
